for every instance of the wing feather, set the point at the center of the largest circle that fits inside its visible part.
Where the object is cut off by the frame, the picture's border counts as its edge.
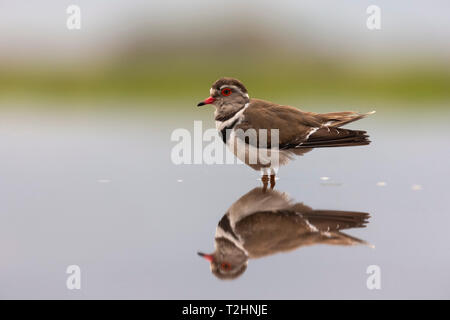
(297, 128)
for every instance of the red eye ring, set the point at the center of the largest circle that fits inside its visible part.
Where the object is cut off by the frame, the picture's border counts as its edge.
(226, 92)
(225, 266)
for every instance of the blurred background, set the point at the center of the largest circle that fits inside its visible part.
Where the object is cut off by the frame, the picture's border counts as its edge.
(85, 123)
(153, 51)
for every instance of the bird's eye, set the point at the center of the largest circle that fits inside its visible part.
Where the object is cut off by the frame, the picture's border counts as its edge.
(225, 266)
(226, 92)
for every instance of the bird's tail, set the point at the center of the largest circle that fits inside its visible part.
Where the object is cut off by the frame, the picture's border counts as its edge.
(334, 137)
(338, 119)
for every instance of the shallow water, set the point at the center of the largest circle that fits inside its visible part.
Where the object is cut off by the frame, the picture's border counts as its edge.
(99, 191)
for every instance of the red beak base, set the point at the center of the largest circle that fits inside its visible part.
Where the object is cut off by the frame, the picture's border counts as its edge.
(206, 101)
(208, 257)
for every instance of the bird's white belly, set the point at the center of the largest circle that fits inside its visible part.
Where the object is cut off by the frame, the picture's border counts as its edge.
(258, 158)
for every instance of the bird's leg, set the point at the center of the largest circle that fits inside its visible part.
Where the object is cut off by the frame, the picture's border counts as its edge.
(265, 178)
(265, 181)
(273, 176)
(272, 181)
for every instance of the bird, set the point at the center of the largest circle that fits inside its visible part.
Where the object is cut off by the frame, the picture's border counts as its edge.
(265, 222)
(288, 131)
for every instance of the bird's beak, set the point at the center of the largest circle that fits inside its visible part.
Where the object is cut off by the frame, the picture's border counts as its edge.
(206, 101)
(208, 257)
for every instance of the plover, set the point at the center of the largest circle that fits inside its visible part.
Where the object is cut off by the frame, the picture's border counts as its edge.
(265, 222)
(242, 120)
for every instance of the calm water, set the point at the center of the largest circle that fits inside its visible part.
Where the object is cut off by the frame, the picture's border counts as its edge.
(99, 191)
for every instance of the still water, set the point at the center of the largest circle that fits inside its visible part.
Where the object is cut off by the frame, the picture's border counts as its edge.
(99, 190)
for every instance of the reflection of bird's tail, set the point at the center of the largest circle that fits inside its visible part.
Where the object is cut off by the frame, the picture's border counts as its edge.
(330, 222)
(340, 238)
(337, 220)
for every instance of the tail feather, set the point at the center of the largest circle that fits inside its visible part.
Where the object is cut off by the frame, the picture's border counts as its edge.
(333, 137)
(337, 220)
(338, 119)
(330, 223)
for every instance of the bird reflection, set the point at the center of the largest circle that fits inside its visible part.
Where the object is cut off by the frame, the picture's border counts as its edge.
(265, 222)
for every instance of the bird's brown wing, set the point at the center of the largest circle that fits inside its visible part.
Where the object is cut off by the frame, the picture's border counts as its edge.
(292, 124)
(297, 128)
(270, 232)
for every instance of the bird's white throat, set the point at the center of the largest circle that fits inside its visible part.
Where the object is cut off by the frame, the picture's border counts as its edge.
(220, 125)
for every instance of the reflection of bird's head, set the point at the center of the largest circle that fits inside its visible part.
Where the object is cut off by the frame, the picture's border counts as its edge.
(228, 261)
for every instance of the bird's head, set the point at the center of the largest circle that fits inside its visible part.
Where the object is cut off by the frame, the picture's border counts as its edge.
(228, 261)
(227, 93)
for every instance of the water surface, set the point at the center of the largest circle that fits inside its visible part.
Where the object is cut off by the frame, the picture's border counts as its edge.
(98, 190)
